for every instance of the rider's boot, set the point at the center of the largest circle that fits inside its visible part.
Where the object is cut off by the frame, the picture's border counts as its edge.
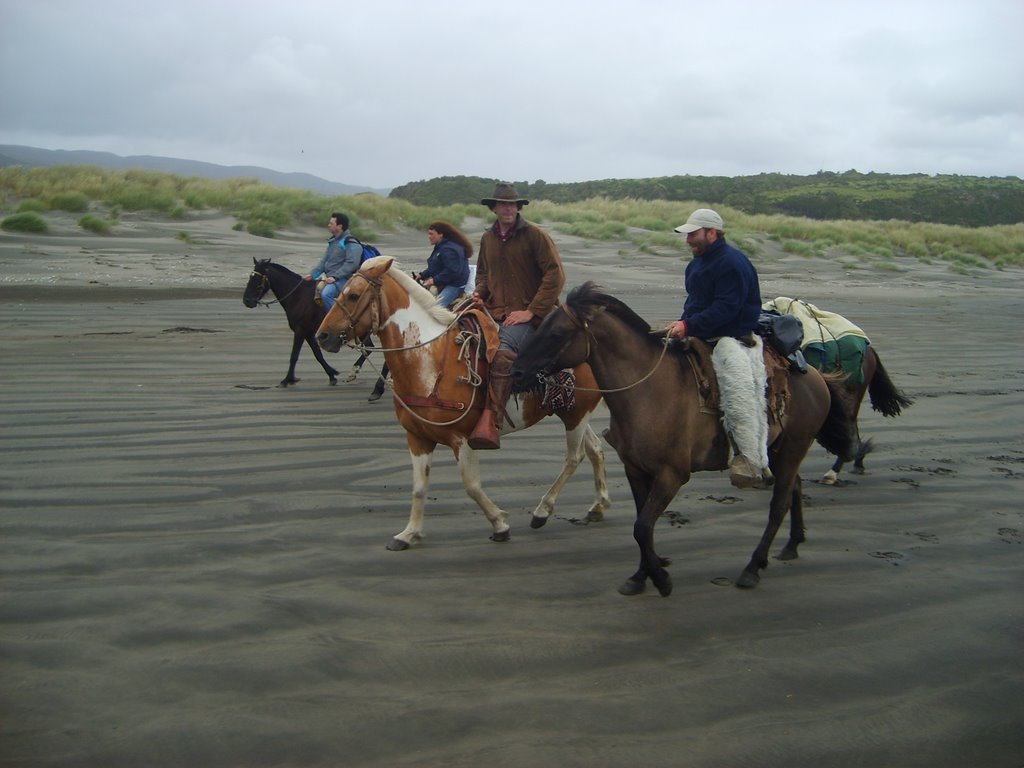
(486, 435)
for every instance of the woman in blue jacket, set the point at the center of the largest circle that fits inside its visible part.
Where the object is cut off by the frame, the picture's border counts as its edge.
(448, 264)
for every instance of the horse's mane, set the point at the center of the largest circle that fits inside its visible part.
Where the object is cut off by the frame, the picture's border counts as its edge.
(278, 267)
(589, 297)
(423, 298)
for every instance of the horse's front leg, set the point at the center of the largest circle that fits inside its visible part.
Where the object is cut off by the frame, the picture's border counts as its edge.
(469, 467)
(318, 353)
(651, 497)
(421, 452)
(297, 341)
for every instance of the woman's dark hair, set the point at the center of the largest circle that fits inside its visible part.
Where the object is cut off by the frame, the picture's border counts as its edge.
(451, 232)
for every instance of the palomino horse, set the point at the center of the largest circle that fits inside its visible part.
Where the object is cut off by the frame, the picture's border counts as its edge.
(439, 394)
(663, 430)
(296, 297)
(885, 398)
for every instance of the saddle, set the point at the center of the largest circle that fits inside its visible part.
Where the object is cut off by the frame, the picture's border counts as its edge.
(698, 354)
(559, 388)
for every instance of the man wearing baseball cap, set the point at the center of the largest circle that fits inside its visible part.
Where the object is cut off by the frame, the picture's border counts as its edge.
(723, 303)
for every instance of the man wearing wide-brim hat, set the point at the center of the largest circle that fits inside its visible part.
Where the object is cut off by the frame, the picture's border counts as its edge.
(519, 277)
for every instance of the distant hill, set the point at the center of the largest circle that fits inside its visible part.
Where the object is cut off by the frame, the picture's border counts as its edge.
(33, 156)
(971, 201)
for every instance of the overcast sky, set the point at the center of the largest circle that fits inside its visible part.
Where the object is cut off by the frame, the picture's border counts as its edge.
(382, 92)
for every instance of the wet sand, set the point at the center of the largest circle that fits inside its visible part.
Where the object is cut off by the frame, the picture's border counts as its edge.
(193, 569)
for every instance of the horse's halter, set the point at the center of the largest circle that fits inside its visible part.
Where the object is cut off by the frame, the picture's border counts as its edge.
(373, 305)
(265, 286)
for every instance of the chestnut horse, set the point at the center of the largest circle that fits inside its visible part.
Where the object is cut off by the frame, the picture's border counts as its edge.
(663, 430)
(439, 393)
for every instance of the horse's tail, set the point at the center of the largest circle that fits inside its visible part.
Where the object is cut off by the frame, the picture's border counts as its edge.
(838, 435)
(885, 397)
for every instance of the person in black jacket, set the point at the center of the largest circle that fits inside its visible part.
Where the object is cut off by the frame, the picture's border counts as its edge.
(448, 264)
(723, 303)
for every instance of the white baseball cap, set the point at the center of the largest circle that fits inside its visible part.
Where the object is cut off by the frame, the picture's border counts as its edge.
(702, 218)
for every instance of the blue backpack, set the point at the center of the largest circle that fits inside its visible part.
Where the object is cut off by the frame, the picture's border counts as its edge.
(369, 251)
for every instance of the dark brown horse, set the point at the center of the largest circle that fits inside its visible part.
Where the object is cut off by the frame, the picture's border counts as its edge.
(662, 429)
(832, 343)
(439, 391)
(304, 314)
(885, 398)
(295, 296)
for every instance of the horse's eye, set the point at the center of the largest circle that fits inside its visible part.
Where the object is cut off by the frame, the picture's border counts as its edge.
(353, 296)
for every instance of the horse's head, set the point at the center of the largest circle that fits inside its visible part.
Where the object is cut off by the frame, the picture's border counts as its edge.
(356, 312)
(562, 340)
(258, 284)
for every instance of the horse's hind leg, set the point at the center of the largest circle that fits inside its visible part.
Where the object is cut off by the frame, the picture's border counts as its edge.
(796, 523)
(332, 374)
(469, 467)
(357, 366)
(592, 445)
(577, 442)
(783, 496)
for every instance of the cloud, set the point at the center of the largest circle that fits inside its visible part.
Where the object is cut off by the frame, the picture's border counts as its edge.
(394, 91)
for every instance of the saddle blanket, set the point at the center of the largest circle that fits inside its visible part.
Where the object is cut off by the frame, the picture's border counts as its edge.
(831, 342)
(819, 325)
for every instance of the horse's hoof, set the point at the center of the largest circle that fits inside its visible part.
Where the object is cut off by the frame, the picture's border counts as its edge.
(352, 377)
(595, 516)
(285, 382)
(502, 536)
(829, 478)
(664, 583)
(748, 580)
(334, 381)
(397, 545)
(788, 553)
(631, 587)
(538, 522)
(374, 396)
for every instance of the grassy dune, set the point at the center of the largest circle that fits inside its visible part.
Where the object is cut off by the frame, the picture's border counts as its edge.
(27, 195)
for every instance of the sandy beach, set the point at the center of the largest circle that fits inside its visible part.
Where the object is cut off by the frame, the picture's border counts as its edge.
(193, 569)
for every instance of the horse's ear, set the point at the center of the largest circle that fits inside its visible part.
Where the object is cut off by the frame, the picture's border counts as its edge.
(254, 262)
(382, 264)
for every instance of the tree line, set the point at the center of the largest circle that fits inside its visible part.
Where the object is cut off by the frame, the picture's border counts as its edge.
(971, 201)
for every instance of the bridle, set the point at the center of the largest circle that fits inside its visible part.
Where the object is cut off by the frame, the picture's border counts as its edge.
(463, 339)
(265, 286)
(584, 326)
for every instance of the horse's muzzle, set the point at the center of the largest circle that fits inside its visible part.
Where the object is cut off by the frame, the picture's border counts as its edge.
(330, 342)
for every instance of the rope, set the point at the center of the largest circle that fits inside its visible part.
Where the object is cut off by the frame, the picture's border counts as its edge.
(583, 325)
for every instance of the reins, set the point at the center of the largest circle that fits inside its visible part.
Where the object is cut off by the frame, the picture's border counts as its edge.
(267, 287)
(462, 340)
(582, 325)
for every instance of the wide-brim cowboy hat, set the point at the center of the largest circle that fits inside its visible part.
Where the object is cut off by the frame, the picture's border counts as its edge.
(504, 193)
